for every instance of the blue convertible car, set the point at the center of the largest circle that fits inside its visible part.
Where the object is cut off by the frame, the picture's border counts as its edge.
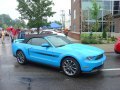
(58, 51)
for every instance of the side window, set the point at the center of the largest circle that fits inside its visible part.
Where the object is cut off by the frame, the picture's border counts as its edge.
(30, 41)
(38, 41)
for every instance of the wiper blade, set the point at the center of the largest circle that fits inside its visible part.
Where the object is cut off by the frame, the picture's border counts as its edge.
(61, 45)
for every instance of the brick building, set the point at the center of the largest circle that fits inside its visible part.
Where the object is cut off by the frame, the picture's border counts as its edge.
(75, 19)
(81, 8)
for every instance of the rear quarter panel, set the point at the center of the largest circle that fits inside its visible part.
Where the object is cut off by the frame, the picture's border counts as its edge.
(19, 46)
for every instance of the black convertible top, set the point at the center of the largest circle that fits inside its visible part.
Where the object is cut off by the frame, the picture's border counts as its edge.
(28, 37)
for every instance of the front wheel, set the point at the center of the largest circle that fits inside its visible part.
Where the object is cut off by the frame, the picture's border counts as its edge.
(21, 59)
(70, 67)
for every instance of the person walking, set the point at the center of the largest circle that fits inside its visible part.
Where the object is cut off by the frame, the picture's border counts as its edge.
(3, 36)
(14, 34)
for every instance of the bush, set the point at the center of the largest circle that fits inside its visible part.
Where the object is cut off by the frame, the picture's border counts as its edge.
(104, 34)
(91, 41)
(113, 38)
(96, 38)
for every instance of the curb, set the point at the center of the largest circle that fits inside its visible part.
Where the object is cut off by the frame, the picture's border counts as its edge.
(110, 52)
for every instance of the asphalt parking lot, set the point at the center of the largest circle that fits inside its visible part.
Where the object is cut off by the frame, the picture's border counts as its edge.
(39, 77)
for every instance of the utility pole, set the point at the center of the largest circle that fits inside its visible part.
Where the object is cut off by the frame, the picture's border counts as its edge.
(63, 18)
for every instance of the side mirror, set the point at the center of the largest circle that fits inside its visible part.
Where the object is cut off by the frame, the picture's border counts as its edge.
(45, 45)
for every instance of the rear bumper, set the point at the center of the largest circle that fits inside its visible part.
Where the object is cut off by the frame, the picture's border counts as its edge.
(117, 50)
(93, 66)
(117, 47)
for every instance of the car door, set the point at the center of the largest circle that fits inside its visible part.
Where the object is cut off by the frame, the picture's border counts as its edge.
(41, 54)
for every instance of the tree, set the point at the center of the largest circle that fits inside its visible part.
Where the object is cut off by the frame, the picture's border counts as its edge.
(19, 23)
(35, 11)
(5, 19)
(4, 26)
(108, 19)
(94, 14)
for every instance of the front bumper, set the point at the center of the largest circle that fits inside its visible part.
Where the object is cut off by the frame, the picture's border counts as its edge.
(92, 66)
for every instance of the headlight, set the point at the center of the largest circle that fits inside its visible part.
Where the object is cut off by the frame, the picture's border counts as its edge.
(90, 58)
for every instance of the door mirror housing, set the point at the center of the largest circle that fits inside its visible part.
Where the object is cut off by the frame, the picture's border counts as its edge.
(45, 45)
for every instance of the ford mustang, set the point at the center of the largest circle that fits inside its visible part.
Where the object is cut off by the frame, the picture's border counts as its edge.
(58, 51)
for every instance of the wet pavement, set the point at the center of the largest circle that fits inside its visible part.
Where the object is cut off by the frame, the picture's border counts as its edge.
(39, 77)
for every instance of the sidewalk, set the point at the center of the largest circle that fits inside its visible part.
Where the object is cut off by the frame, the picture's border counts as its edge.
(109, 48)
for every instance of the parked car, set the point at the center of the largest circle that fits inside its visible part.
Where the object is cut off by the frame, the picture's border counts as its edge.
(59, 52)
(52, 32)
(21, 34)
(117, 46)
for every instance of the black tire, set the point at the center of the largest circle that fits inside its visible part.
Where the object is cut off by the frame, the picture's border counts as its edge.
(70, 67)
(21, 59)
(117, 52)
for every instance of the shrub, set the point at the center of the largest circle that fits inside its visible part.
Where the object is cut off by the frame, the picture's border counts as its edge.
(113, 38)
(91, 41)
(104, 34)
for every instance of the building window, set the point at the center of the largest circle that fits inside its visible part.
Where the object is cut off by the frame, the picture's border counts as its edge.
(74, 27)
(74, 14)
(116, 7)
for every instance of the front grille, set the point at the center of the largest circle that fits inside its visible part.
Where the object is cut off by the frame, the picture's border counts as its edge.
(99, 57)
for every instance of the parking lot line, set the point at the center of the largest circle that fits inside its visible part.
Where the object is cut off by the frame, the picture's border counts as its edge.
(111, 69)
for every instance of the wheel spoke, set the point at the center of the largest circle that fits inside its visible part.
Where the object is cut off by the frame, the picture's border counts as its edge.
(20, 57)
(69, 67)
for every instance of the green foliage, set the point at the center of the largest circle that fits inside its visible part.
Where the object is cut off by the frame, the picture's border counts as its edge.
(4, 26)
(95, 9)
(108, 19)
(19, 23)
(94, 14)
(113, 38)
(6, 21)
(96, 38)
(104, 34)
(35, 11)
(91, 41)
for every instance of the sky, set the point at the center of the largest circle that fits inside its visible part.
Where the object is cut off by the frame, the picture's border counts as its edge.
(9, 7)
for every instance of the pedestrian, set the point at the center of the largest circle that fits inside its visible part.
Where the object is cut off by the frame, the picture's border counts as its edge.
(17, 32)
(3, 36)
(10, 35)
(14, 34)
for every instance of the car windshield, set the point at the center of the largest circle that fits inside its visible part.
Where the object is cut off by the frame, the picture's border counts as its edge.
(59, 41)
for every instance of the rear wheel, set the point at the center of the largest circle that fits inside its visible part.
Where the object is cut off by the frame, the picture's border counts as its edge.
(21, 59)
(70, 67)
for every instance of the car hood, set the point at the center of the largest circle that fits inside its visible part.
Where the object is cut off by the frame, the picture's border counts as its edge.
(83, 49)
